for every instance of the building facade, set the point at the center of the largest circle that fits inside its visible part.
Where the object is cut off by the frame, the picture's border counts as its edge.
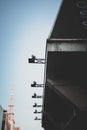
(4, 124)
(65, 91)
(1, 117)
(16, 128)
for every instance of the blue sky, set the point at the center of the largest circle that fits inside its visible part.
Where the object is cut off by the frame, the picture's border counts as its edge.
(24, 28)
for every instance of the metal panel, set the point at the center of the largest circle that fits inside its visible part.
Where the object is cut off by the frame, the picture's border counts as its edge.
(71, 21)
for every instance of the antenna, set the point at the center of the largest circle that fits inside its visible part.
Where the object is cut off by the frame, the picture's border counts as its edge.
(11, 109)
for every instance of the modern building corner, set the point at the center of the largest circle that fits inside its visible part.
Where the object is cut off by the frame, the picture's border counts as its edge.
(65, 80)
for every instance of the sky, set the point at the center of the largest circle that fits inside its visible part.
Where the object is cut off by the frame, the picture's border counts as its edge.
(24, 27)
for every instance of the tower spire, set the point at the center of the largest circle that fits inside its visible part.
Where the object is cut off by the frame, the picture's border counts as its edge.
(11, 109)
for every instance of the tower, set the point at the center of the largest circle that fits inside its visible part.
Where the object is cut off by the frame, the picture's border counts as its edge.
(10, 110)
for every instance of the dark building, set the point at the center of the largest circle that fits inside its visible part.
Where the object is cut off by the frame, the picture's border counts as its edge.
(4, 124)
(65, 91)
(1, 117)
